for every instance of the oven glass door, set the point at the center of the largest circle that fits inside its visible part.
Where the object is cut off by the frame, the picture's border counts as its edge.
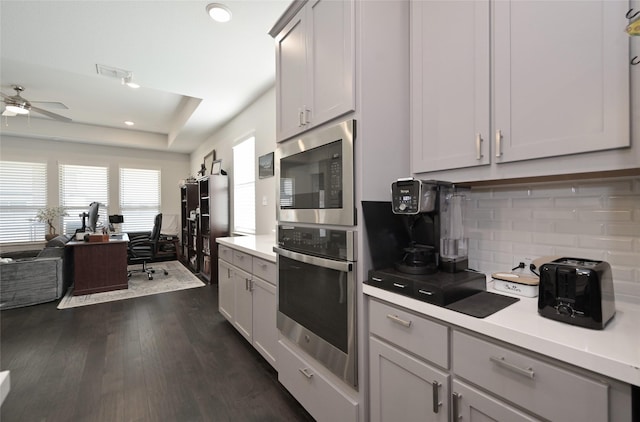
(316, 298)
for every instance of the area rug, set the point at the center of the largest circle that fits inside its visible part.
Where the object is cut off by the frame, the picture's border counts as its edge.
(179, 278)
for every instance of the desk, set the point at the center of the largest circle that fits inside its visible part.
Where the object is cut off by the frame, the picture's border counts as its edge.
(99, 266)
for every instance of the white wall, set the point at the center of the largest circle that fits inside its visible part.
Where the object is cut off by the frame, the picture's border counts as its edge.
(173, 166)
(594, 219)
(259, 120)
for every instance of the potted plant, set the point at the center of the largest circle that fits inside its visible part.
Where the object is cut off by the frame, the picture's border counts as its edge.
(48, 215)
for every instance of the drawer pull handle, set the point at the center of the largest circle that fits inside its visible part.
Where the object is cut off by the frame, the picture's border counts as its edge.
(306, 372)
(399, 320)
(527, 372)
(436, 401)
(454, 402)
(377, 279)
(425, 292)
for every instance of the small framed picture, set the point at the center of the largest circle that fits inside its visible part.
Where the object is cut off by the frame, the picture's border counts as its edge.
(216, 167)
(265, 165)
(208, 162)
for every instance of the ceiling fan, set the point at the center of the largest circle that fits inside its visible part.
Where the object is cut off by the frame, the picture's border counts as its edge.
(16, 104)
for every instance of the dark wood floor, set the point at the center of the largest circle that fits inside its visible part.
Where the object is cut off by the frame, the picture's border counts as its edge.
(167, 357)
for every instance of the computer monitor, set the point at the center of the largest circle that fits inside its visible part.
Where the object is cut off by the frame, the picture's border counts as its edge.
(93, 216)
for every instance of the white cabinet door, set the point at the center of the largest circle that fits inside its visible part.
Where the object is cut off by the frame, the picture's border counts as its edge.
(331, 60)
(244, 303)
(265, 332)
(291, 76)
(561, 78)
(404, 385)
(471, 405)
(315, 77)
(450, 73)
(226, 290)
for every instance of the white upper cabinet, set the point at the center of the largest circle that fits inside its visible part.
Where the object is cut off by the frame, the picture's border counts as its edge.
(450, 84)
(506, 81)
(315, 67)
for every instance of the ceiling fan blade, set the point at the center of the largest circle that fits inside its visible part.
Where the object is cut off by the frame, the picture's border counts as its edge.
(51, 104)
(50, 114)
(5, 95)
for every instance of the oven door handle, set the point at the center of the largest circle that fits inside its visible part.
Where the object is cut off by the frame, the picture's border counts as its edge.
(344, 266)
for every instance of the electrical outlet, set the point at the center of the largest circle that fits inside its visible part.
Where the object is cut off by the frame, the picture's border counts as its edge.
(526, 259)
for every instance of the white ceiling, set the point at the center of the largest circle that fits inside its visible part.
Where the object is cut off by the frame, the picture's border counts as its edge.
(195, 74)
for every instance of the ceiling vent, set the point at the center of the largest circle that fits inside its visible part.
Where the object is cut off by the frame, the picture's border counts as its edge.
(112, 72)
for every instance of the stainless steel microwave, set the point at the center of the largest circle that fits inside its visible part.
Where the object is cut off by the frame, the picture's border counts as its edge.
(316, 177)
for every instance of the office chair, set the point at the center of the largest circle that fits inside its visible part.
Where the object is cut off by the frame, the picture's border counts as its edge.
(143, 250)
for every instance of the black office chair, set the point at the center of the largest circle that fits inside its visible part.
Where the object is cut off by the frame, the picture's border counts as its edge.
(143, 250)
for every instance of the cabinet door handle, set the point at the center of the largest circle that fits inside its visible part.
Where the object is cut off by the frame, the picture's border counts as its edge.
(436, 401)
(306, 372)
(454, 402)
(478, 146)
(246, 284)
(307, 115)
(498, 143)
(300, 117)
(399, 320)
(500, 361)
(250, 285)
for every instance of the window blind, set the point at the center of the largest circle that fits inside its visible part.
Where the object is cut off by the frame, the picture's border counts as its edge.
(244, 196)
(139, 198)
(23, 191)
(79, 187)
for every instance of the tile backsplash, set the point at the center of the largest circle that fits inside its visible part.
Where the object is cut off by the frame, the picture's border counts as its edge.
(594, 219)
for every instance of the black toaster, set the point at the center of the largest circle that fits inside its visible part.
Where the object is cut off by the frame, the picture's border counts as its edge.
(577, 291)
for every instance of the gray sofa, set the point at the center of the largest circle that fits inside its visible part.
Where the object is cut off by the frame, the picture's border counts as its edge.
(34, 277)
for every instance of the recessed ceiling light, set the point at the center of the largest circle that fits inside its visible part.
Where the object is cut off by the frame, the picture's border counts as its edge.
(129, 123)
(219, 12)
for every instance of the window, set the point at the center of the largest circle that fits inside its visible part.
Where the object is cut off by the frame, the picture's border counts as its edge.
(139, 198)
(23, 191)
(79, 187)
(244, 180)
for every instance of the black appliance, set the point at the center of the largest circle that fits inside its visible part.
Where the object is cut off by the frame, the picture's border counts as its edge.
(577, 291)
(417, 243)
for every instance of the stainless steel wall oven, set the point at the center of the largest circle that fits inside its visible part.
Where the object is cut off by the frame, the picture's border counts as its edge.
(317, 295)
(315, 175)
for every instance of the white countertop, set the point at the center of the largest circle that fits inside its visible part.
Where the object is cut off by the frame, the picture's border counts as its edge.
(614, 351)
(260, 245)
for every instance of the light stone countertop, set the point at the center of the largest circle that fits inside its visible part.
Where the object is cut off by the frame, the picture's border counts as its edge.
(260, 245)
(613, 352)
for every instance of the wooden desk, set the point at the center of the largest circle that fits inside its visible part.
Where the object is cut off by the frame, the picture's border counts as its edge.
(100, 266)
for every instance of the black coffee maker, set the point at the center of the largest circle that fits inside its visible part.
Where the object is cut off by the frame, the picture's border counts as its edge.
(428, 260)
(433, 213)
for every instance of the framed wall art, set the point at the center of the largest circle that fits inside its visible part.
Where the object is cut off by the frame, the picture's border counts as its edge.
(265, 165)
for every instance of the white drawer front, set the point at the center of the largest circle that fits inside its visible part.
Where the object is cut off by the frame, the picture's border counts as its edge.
(243, 260)
(225, 253)
(549, 391)
(265, 270)
(323, 400)
(425, 338)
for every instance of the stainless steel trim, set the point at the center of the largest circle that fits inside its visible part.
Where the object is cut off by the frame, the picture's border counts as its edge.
(500, 361)
(436, 400)
(396, 318)
(344, 266)
(498, 143)
(455, 398)
(344, 216)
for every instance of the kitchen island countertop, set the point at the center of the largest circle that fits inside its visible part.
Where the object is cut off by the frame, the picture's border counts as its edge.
(613, 352)
(260, 245)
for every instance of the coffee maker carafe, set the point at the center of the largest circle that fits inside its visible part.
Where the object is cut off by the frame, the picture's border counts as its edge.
(434, 216)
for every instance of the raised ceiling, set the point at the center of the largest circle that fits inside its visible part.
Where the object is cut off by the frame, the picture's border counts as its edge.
(195, 74)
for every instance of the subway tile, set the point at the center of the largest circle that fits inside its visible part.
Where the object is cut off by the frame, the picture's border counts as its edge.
(605, 215)
(479, 214)
(622, 229)
(532, 250)
(533, 203)
(620, 244)
(533, 226)
(512, 236)
(622, 202)
(593, 202)
(625, 259)
(579, 227)
(494, 225)
(595, 254)
(490, 245)
(512, 214)
(502, 258)
(555, 214)
(605, 187)
(494, 203)
(620, 273)
(555, 239)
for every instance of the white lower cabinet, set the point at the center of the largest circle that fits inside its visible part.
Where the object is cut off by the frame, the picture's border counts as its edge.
(323, 398)
(472, 405)
(402, 384)
(248, 301)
